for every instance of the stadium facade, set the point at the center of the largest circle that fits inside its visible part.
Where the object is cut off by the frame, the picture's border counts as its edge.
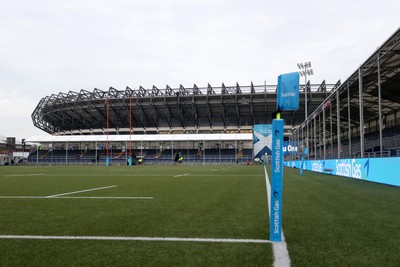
(209, 109)
(357, 118)
(207, 124)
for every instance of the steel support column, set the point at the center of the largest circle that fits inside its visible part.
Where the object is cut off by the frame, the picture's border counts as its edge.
(324, 131)
(307, 137)
(331, 130)
(361, 104)
(380, 106)
(348, 118)
(338, 124)
(315, 137)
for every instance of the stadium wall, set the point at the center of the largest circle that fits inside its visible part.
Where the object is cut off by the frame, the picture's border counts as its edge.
(379, 170)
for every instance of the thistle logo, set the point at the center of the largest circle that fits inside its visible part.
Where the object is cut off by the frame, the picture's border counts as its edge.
(276, 194)
(366, 170)
(277, 134)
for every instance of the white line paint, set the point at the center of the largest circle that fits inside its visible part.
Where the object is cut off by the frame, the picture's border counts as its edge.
(38, 197)
(228, 175)
(268, 187)
(281, 254)
(134, 238)
(81, 191)
(186, 174)
(147, 174)
(23, 175)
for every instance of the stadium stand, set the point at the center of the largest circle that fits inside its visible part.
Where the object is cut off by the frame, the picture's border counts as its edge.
(357, 118)
(360, 115)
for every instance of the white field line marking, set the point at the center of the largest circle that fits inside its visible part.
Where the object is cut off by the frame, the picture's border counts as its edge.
(144, 174)
(134, 238)
(214, 170)
(21, 175)
(217, 175)
(186, 174)
(37, 197)
(81, 191)
(281, 254)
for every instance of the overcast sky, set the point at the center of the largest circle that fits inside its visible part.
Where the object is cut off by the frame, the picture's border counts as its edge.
(47, 47)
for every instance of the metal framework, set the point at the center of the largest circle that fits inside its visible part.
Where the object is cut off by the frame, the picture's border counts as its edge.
(171, 110)
(361, 116)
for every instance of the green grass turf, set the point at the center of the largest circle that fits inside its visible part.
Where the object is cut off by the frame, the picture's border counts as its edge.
(327, 220)
(211, 202)
(336, 221)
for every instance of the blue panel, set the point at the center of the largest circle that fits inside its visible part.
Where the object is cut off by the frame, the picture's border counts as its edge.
(276, 183)
(288, 91)
(380, 170)
(291, 148)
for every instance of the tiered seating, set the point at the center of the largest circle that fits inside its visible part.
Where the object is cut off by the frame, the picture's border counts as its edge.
(120, 157)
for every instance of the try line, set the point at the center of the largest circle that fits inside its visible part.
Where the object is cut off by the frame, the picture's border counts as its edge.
(39, 197)
(133, 238)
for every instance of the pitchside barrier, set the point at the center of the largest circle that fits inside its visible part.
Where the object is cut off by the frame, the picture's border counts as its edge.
(379, 170)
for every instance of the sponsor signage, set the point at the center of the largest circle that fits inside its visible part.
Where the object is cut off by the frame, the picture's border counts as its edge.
(262, 139)
(288, 91)
(379, 170)
(290, 147)
(276, 184)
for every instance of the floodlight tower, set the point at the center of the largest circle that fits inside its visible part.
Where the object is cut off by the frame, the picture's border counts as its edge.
(305, 69)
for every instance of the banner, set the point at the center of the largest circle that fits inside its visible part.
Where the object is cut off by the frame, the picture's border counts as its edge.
(379, 170)
(262, 140)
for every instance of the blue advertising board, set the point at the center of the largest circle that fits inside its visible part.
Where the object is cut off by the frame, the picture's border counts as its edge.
(379, 170)
(291, 147)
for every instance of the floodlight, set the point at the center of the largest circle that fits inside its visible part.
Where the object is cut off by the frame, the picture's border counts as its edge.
(305, 69)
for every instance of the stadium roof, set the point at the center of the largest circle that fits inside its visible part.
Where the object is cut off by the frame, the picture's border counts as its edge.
(208, 109)
(384, 61)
